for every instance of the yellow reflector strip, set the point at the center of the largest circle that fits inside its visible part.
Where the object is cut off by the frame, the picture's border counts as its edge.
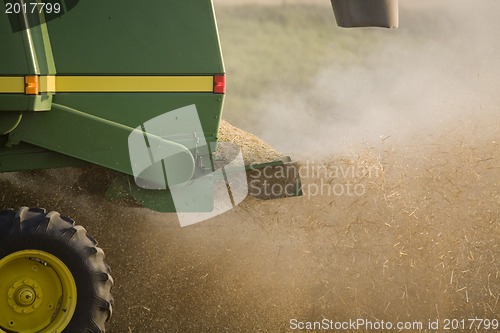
(12, 85)
(48, 84)
(134, 84)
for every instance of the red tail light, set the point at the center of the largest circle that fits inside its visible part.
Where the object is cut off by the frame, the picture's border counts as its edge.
(220, 84)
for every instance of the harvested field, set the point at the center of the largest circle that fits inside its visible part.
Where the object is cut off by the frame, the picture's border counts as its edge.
(418, 241)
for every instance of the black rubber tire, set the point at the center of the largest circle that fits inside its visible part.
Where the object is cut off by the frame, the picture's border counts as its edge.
(35, 229)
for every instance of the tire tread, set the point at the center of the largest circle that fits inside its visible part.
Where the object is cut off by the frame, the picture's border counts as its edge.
(36, 221)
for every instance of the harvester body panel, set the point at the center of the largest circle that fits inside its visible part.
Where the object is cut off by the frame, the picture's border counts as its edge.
(99, 70)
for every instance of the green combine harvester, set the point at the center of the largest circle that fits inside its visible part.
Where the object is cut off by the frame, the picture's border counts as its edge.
(133, 87)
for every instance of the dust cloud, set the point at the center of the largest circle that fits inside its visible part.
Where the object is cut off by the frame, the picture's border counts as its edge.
(440, 68)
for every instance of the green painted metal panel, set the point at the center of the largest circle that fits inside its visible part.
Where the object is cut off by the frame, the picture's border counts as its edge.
(96, 127)
(118, 37)
(9, 121)
(77, 134)
(134, 37)
(19, 102)
(28, 157)
(25, 39)
(14, 102)
(134, 109)
(13, 54)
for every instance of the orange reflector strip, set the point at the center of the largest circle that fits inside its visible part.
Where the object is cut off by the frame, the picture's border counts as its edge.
(31, 82)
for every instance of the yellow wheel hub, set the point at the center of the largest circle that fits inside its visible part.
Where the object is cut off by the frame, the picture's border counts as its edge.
(25, 295)
(37, 293)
